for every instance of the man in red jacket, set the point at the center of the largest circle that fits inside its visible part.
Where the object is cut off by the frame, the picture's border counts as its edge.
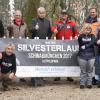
(64, 29)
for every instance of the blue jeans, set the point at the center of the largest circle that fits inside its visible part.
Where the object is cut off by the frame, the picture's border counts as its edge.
(98, 65)
(86, 67)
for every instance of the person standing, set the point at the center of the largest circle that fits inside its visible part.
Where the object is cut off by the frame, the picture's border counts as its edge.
(94, 21)
(18, 27)
(41, 28)
(98, 59)
(65, 28)
(86, 57)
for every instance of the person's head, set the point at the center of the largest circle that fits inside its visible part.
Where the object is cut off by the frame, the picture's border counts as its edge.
(64, 15)
(88, 30)
(93, 12)
(18, 15)
(9, 49)
(41, 12)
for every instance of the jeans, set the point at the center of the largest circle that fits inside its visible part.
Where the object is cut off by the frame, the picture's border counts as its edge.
(86, 67)
(98, 65)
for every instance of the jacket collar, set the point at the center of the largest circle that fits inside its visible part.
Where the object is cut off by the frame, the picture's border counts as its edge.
(91, 20)
(22, 22)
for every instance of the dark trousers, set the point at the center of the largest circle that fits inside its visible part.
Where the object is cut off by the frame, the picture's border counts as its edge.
(98, 65)
(37, 81)
(5, 79)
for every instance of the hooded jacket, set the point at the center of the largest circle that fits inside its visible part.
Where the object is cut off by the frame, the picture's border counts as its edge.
(87, 41)
(66, 30)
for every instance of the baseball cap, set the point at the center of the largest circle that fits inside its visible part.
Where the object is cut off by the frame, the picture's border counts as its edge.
(64, 11)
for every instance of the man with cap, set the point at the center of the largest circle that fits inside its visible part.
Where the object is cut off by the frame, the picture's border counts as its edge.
(64, 28)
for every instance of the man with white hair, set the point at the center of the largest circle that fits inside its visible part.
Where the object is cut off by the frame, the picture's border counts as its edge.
(40, 27)
(18, 27)
(8, 65)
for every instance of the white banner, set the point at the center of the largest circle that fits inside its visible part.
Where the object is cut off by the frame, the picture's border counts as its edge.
(50, 71)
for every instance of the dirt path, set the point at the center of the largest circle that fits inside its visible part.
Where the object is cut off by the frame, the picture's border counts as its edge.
(61, 90)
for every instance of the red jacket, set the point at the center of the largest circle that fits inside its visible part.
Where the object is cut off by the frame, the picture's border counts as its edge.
(66, 30)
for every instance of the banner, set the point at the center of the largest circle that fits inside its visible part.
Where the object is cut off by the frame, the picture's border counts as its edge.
(44, 58)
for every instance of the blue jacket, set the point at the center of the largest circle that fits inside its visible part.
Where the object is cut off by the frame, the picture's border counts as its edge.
(91, 20)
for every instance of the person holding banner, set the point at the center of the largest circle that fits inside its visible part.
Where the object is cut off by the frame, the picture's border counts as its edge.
(86, 57)
(8, 65)
(18, 27)
(41, 28)
(65, 29)
(94, 21)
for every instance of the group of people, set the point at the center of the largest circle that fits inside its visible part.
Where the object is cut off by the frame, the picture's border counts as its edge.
(64, 28)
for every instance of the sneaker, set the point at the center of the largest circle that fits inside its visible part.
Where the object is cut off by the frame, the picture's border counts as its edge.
(89, 86)
(82, 86)
(70, 79)
(57, 79)
(22, 80)
(5, 87)
(94, 81)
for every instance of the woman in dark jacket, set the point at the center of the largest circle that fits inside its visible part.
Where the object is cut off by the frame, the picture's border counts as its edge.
(86, 57)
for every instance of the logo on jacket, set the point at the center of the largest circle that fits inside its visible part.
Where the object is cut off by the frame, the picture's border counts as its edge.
(68, 27)
(86, 39)
(6, 64)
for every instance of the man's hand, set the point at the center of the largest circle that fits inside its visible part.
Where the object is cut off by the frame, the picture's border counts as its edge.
(76, 37)
(11, 76)
(98, 42)
(0, 55)
(37, 27)
(55, 31)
